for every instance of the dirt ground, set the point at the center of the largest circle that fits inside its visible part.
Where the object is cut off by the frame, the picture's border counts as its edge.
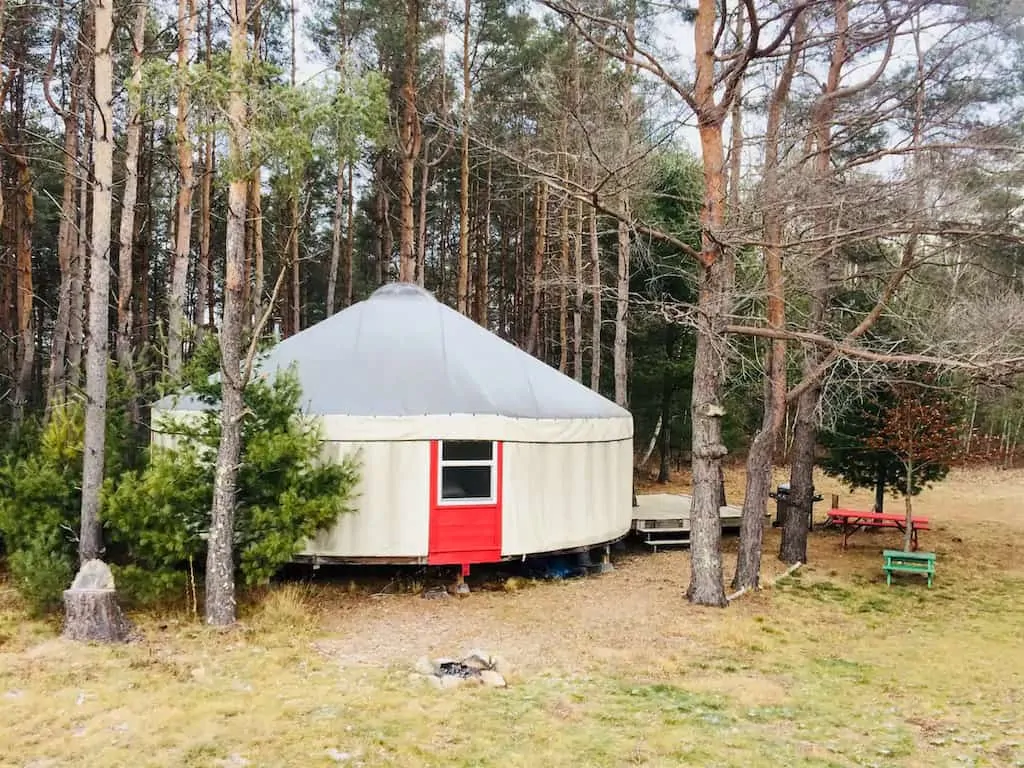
(826, 668)
(620, 616)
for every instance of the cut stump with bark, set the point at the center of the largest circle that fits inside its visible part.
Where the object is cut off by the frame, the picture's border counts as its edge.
(91, 611)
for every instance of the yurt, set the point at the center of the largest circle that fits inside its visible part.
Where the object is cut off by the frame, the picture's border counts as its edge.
(471, 450)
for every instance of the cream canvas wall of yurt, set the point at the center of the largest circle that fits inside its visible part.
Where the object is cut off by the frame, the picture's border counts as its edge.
(471, 450)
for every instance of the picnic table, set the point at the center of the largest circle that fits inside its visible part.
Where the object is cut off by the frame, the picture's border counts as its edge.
(852, 520)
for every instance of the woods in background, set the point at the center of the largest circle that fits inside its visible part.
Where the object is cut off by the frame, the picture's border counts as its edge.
(726, 217)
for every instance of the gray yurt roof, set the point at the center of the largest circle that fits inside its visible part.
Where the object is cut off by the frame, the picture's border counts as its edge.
(401, 352)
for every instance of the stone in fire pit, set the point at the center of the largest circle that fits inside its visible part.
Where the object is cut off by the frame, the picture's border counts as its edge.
(478, 668)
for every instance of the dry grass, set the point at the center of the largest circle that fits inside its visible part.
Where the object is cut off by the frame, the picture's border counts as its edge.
(829, 668)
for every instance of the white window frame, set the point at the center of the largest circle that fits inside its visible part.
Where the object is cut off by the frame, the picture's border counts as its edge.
(475, 501)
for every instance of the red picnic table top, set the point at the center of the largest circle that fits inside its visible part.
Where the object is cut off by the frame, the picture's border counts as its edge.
(882, 517)
(852, 519)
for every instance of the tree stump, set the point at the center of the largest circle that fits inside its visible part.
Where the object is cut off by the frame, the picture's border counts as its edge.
(91, 611)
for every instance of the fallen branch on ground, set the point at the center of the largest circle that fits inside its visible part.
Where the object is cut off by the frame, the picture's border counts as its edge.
(789, 572)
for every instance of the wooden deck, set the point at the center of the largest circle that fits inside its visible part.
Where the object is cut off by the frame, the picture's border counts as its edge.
(663, 519)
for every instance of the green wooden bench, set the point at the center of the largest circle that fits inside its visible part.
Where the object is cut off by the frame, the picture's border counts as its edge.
(908, 562)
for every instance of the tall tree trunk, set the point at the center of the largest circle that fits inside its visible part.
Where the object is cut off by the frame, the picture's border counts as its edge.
(668, 388)
(563, 288)
(736, 141)
(66, 240)
(350, 236)
(706, 585)
(176, 323)
(409, 140)
(577, 310)
(462, 284)
(25, 292)
(126, 230)
(483, 252)
(540, 219)
(204, 274)
(220, 569)
(908, 534)
(91, 537)
(295, 302)
(762, 449)
(296, 191)
(619, 349)
(336, 239)
(421, 240)
(595, 296)
(76, 324)
(793, 547)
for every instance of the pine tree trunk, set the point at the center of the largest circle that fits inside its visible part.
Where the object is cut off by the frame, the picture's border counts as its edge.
(204, 275)
(409, 140)
(293, 260)
(483, 252)
(762, 449)
(793, 547)
(577, 312)
(25, 292)
(91, 538)
(126, 230)
(66, 240)
(908, 540)
(706, 584)
(76, 325)
(540, 219)
(563, 290)
(421, 240)
(880, 488)
(220, 573)
(794, 533)
(350, 237)
(462, 280)
(336, 241)
(619, 348)
(176, 323)
(595, 297)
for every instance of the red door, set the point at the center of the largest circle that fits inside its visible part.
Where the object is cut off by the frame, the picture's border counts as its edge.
(465, 502)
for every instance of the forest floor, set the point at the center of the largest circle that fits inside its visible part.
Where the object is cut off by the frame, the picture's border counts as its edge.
(826, 668)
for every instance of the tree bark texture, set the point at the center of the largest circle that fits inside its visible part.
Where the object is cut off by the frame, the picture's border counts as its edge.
(336, 237)
(540, 219)
(563, 289)
(409, 143)
(126, 229)
(66, 240)
(176, 321)
(481, 293)
(91, 611)
(762, 449)
(706, 585)
(462, 279)
(801, 496)
(577, 310)
(204, 273)
(595, 297)
(91, 539)
(220, 573)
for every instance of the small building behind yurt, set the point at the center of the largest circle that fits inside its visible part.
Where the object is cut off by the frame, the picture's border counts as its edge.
(471, 450)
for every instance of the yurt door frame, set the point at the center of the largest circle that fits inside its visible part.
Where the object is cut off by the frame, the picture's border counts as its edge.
(465, 502)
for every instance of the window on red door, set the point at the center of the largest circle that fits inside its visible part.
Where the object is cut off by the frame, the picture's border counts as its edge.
(468, 472)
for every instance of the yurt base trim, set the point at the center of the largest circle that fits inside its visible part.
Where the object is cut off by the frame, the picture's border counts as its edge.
(317, 560)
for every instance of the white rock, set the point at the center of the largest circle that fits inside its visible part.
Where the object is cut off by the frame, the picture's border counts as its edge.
(338, 756)
(94, 574)
(424, 666)
(493, 679)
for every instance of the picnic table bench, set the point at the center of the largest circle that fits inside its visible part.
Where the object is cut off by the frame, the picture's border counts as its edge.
(908, 562)
(851, 520)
